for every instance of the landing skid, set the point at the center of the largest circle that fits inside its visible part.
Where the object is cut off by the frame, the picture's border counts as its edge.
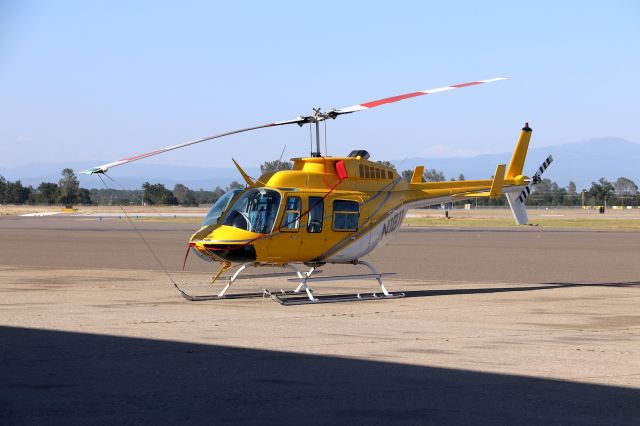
(303, 294)
(302, 300)
(201, 298)
(252, 295)
(256, 295)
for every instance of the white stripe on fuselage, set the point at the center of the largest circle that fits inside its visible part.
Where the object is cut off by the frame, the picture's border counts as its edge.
(387, 228)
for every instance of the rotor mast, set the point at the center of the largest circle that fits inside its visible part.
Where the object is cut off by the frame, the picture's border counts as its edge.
(316, 118)
(317, 153)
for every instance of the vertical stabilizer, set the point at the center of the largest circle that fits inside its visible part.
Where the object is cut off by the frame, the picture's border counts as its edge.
(520, 153)
(518, 208)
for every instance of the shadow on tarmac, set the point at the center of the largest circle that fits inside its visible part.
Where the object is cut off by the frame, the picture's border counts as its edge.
(544, 286)
(52, 377)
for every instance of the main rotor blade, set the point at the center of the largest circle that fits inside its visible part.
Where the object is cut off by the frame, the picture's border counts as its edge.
(103, 168)
(299, 120)
(392, 99)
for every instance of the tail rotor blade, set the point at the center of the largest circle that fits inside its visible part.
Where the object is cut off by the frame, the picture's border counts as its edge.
(535, 179)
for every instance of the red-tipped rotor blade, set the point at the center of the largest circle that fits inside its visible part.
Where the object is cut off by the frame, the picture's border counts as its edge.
(299, 120)
(104, 167)
(392, 99)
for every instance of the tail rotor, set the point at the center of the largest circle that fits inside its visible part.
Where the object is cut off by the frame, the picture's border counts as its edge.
(517, 200)
(535, 179)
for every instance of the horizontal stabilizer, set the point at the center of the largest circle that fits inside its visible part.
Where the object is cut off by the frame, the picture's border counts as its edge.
(417, 174)
(496, 186)
(498, 181)
(471, 194)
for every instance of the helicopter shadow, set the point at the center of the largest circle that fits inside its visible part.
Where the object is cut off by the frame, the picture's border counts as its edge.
(537, 287)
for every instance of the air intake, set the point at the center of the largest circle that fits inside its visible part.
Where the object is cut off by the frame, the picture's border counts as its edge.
(361, 153)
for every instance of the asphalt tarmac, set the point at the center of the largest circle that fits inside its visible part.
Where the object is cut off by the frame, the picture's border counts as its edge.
(513, 325)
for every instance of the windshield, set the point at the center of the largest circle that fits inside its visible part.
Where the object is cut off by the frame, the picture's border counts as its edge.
(219, 207)
(254, 211)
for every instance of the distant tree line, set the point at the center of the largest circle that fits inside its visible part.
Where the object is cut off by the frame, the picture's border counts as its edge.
(622, 192)
(67, 191)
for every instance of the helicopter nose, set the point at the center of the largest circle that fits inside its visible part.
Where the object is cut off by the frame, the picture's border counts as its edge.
(228, 243)
(231, 252)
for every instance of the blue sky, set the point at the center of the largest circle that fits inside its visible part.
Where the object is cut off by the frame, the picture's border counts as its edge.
(89, 81)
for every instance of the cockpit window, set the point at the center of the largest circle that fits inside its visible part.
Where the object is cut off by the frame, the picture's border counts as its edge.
(219, 206)
(255, 210)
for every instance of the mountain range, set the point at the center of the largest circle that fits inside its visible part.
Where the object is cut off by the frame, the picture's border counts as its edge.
(581, 162)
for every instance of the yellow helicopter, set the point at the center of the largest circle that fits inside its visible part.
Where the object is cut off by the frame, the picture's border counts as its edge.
(330, 210)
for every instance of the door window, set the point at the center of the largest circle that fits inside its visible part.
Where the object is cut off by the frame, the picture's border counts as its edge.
(345, 215)
(316, 214)
(291, 218)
